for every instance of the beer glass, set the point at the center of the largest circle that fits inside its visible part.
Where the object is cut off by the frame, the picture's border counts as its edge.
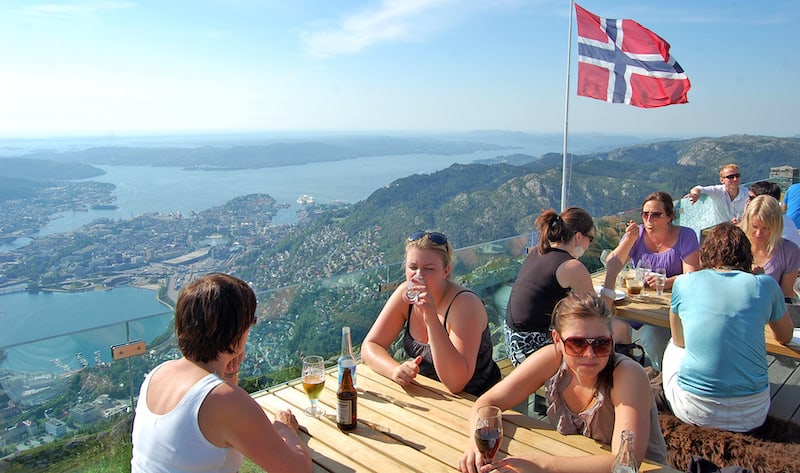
(488, 431)
(313, 383)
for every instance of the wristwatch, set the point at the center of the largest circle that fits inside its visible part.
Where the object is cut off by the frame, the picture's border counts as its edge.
(606, 292)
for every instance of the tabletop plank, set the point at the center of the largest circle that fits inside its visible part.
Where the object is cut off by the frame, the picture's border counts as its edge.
(417, 428)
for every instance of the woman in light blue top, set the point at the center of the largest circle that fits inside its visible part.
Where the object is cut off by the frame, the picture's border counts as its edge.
(715, 368)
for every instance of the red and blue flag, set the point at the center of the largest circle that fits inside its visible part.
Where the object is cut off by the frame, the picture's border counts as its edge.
(621, 61)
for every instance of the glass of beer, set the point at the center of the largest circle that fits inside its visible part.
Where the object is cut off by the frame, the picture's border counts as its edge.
(313, 383)
(488, 431)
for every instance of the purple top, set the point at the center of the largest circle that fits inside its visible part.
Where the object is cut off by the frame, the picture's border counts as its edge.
(672, 259)
(785, 258)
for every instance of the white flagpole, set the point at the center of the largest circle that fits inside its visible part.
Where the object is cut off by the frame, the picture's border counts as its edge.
(566, 113)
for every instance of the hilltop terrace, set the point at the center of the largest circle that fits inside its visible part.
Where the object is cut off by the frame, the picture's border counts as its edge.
(79, 394)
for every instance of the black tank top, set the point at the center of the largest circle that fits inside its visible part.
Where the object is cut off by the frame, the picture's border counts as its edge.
(486, 374)
(536, 292)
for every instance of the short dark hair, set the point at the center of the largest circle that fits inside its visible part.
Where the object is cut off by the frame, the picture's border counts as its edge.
(766, 188)
(726, 246)
(212, 314)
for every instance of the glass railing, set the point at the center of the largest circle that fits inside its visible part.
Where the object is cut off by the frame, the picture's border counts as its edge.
(58, 389)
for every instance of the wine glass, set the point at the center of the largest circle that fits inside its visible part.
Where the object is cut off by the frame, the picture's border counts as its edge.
(412, 294)
(488, 431)
(313, 383)
(661, 280)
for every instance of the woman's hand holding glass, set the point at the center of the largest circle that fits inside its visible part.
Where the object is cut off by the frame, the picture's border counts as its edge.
(488, 431)
(415, 285)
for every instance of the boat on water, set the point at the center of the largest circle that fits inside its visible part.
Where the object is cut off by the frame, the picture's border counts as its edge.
(305, 199)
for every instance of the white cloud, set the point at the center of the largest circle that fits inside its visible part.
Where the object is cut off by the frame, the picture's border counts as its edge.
(392, 20)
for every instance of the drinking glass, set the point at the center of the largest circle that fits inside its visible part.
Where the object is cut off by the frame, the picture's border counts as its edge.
(643, 267)
(313, 383)
(488, 431)
(604, 256)
(661, 280)
(411, 294)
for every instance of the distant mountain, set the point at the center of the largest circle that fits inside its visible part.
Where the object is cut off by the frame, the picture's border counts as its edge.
(478, 202)
(283, 153)
(45, 170)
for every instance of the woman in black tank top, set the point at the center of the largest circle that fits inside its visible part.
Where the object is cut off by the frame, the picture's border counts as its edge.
(445, 331)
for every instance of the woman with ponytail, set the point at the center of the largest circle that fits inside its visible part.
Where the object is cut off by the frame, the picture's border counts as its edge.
(548, 274)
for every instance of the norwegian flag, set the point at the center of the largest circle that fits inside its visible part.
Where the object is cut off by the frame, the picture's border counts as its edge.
(621, 61)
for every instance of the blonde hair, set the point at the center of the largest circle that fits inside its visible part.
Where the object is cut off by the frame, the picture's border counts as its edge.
(425, 243)
(768, 210)
(735, 167)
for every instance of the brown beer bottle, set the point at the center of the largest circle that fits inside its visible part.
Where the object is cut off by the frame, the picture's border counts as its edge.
(346, 399)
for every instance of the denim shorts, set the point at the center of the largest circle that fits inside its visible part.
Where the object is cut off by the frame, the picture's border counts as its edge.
(519, 345)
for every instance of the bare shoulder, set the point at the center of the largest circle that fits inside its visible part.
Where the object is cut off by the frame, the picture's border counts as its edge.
(466, 303)
(630, 376)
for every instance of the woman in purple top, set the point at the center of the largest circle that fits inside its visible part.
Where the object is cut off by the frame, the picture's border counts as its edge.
(662, 244)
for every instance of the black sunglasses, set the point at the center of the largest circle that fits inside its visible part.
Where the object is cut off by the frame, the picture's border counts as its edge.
(733, 176)
(590, 237)
(436, 237)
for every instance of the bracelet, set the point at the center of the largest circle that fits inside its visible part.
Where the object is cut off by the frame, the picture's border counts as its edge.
(606, 292)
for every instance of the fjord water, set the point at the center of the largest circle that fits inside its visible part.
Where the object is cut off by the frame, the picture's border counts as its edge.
(25, 317)
(141, 189)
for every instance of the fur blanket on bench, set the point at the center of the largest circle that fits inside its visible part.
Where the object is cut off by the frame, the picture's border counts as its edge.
(773, 447)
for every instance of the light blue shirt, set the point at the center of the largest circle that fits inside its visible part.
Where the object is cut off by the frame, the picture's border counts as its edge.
(723, 314)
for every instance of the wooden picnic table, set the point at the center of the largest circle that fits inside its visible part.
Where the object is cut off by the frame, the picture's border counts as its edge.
(648, 308)
(419, 428)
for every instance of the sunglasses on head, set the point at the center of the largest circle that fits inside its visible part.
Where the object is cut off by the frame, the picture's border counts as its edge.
(655, 215)
(576, 346)
(733, 176)
(436, 237)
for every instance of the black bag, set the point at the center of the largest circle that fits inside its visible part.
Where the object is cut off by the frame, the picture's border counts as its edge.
(633, 351)
(701, 465)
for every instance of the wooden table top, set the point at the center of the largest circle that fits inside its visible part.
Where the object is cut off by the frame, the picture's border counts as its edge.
(419, 428)
(648, 308)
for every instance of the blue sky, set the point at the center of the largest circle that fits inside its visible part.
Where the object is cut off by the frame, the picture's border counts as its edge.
(152, 66)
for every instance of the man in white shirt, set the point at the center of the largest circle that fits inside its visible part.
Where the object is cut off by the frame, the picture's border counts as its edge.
(728, 197)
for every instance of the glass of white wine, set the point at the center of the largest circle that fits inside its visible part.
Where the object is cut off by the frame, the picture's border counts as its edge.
(313, 383)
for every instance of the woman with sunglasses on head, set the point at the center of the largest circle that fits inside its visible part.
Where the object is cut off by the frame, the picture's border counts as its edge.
(445, 327)
(548, 274)
(772, 254)
(715, 366)
(662, 244)
(591, 391)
